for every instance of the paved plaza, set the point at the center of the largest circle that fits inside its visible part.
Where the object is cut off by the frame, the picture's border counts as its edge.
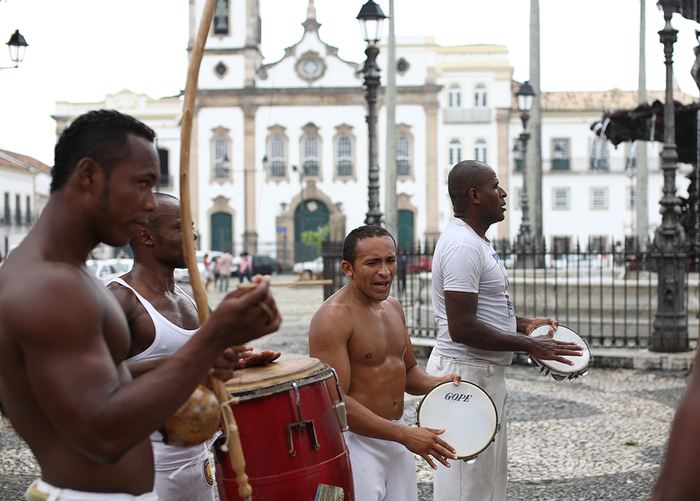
(600, 437)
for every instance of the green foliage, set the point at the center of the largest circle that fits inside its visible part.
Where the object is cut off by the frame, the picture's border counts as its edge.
(316, 238)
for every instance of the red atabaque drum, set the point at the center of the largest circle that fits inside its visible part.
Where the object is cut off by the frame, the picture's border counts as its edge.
(291, 434)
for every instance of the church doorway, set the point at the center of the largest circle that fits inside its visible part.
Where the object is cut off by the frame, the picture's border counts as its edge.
(221, 232)
(310, 215)
(405, 230)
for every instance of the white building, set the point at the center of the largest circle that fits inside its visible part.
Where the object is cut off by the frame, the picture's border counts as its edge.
(588, 186)
(24, 183)
(280, 147)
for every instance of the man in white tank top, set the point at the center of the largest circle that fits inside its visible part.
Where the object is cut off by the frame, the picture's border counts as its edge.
(161, 319)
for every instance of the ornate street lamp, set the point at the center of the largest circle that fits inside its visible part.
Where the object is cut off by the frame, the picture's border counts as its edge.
(670, 332)
(525, 97)
(17, 45)
(371, 19)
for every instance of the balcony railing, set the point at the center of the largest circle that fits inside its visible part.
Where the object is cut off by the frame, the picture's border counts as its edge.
(18, 218)
(583, 164)
(467, 115)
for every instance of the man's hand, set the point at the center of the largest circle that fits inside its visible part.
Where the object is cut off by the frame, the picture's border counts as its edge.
(245, 314)
(425, 442)
(250, 359)
(546, 348)
(224, 365)
(456, 378)
(536, 322)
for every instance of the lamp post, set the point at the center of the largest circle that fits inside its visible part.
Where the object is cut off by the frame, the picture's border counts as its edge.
(371, 19)
(670, 332)
(525, 97)
(17, 45)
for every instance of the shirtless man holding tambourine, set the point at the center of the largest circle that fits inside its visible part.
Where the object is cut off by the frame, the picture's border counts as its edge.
(360, 331)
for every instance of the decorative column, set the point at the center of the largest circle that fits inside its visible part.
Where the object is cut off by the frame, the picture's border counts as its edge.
(250, 235)
(670, 330)
(374, 215)
(432, 232)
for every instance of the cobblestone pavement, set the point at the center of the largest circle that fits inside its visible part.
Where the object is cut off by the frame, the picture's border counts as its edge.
(600, 437)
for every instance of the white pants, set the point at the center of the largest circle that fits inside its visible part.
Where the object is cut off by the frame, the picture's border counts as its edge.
(487, 478)
(382, 470)
(191, 483)
(42, 491)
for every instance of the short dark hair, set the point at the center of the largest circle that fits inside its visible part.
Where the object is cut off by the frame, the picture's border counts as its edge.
(464, 176)
(360, 233)
(100, 135)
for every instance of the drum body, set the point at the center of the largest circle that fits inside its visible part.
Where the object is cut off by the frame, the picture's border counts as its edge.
(466, 412)
(290, 433)
(558, 370)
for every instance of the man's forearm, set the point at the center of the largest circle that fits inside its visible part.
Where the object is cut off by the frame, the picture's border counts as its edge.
(482, 336)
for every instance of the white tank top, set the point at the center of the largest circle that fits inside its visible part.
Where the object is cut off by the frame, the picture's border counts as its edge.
(168, 339)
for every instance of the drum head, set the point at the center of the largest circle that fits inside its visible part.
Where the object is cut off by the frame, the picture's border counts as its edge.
(274, 374)
(565, 334)
(467, 414)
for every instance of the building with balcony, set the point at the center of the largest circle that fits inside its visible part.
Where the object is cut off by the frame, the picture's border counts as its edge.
(280, 147)
(589, 188)
(24, 187)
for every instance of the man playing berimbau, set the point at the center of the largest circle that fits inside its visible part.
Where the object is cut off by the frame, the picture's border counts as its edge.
(64, 338)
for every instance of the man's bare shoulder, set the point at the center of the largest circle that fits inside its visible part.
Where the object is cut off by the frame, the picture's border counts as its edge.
(32, 304)
(125, 296)
(334, 315)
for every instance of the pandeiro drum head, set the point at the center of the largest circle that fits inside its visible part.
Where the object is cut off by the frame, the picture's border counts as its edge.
(560, 370)
(467, 414)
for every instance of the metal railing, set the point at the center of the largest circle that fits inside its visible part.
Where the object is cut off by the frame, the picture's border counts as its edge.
(609, 298)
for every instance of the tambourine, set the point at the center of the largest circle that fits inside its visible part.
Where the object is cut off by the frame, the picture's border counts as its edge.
(559, 370)
(466, 412)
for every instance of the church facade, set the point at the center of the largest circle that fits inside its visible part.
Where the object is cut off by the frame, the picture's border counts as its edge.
(280, 148)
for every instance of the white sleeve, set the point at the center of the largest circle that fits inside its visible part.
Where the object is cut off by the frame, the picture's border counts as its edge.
(462, 265)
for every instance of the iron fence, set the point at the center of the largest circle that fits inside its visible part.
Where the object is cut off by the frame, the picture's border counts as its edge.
(608, 296)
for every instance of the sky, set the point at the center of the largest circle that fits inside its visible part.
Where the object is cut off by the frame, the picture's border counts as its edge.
(82, 50)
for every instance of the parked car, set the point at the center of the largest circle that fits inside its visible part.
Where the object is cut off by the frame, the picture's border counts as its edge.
(419, 263)
(183, 274)
(581, 262)
(266, 265)
(262, 265)
(103, 269)
(122, 264)
(308, 269)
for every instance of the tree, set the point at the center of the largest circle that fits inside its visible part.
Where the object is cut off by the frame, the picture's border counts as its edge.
(316, 238)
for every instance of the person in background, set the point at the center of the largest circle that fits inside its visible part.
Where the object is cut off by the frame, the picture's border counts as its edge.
(223, 266)
(245, 268)
(206, 272)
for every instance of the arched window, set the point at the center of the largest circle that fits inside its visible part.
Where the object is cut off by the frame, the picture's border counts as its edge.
(454, 96)
(344, 155)
(278, 160)
(480, 150)
(403, 155)
(311, 156)
(480, 96)
(221, 18)
(455, 151)
(221, 168)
